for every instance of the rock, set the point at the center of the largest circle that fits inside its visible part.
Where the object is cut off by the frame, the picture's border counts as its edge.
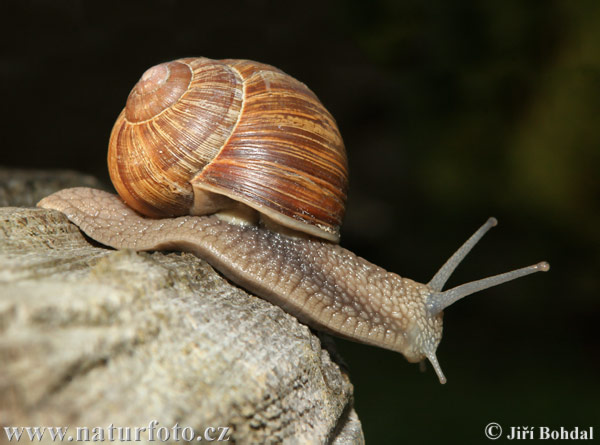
(24, 188)
(91, 337)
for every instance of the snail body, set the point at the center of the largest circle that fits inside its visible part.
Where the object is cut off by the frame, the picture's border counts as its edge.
(288, 254)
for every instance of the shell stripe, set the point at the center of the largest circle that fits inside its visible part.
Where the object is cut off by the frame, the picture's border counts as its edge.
(281, 156)
(151, 161)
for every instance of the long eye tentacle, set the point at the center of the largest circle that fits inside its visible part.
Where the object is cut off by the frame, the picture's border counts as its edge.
(442, 275)
(438, 301)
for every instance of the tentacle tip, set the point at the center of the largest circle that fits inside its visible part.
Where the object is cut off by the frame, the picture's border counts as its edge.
(436, 367)
(492, 221)
(543, 266)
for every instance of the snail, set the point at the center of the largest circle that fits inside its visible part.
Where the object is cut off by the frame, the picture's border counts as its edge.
(240, 164)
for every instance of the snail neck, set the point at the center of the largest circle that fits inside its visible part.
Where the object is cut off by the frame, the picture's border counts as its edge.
(240, 214)
(207, 203)
(210, 200)
(270, 224)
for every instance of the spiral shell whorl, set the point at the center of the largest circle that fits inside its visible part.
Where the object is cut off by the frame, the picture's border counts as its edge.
(159, 143)
(158, 89)
(233, 128)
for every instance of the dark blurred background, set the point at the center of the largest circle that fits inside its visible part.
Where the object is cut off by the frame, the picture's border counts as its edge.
(451, 112)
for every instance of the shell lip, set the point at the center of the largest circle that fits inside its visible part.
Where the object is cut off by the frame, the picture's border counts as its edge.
(322, 231)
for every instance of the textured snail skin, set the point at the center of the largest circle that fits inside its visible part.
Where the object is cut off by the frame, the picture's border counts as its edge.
(320, 283)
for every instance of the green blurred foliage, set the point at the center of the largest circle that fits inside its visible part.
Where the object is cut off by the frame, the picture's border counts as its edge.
(501, 94)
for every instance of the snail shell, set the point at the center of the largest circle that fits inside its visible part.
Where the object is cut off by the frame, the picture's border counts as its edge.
(198, 136)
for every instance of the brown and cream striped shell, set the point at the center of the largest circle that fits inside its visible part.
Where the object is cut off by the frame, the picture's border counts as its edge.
(198, 133)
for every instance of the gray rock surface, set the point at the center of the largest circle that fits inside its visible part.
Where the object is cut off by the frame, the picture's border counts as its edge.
(91, 337)
(24, 188)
